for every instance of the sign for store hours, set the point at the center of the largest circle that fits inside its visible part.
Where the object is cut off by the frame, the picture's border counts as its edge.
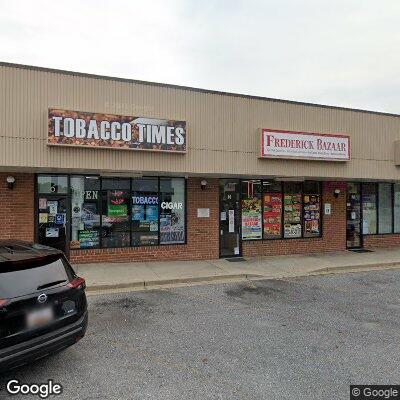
(85, 129)
(304, 146)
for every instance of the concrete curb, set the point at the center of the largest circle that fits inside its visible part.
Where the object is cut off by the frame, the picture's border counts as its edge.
(386, 265)
(166, 282)
(221, 278)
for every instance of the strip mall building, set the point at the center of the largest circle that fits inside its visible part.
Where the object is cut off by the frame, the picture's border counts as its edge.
(112, 169)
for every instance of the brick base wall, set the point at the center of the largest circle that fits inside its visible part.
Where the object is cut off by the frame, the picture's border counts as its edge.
(333, 232)
(202, 234)
(371, 241)
(17, 207)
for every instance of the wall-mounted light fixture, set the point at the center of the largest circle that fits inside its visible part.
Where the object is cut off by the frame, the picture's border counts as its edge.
(10, 182)
(203, 184)
(336, 193)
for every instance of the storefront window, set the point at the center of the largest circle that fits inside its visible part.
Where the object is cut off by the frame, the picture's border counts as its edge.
(292, 210)
(85, 215)
(385, 207)
(52, 184)
(144, 214)
(251, 209)
(272, 213)
(396, 209)
(369, 208)
(311, 209)
(115, 213)
(172, 210)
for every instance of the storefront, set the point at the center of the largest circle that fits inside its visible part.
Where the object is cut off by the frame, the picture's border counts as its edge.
(110, 169)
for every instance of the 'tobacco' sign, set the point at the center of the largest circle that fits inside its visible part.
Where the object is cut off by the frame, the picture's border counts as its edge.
(304, 146)
(77, 128)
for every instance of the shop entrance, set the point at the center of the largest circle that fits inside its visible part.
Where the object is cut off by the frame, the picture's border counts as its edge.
(354, 218)
(52, 221)
(229, 194)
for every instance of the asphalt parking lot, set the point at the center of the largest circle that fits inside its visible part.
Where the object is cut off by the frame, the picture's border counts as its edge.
(303, 338)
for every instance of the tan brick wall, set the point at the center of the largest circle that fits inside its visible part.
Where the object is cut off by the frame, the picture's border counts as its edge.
(202, 234)
(17, 207)
(333, 232)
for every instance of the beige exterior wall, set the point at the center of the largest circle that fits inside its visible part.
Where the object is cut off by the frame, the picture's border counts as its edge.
(222, 129)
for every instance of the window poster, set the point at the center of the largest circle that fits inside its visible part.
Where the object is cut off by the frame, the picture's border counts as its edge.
(292, 215)
(89, 238)
(251, 219)
(165, 227)
(116, 205)
(53, 207)
(272, 215)
(152, 213)
(137, 212)
(231, 220)
(43, 218)
(42, 203)
(52, 232)
(312, 214)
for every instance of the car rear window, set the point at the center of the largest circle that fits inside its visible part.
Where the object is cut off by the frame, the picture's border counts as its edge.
(28, 276)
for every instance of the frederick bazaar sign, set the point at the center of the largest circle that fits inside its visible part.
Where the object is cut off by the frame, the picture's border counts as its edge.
(77, 128)
(303, 145)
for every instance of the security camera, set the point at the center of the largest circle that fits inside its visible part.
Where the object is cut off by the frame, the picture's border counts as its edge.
(336, 192)
(203, 184)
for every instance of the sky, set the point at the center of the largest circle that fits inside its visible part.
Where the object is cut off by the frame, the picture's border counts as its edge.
(335, 52)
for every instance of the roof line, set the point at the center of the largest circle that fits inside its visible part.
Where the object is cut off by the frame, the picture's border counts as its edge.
(189, 88)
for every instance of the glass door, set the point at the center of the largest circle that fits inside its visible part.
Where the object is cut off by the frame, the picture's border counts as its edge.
(353, 212)
(52, 221)
(230, 243)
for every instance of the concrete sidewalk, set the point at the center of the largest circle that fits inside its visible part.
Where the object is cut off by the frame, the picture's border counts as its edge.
(139, 275)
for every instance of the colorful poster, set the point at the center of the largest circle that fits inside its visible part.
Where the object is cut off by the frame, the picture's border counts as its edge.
(116, 205)
(88, 238)
(137, 212)
(251, 219)
(151, 213)
(272, 215)
(312, 211)
(292, 215)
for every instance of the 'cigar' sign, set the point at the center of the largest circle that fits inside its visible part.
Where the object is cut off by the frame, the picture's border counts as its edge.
(304, 146)
(77, 128)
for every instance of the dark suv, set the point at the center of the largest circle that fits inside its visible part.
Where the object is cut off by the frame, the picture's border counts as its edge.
(43, 305)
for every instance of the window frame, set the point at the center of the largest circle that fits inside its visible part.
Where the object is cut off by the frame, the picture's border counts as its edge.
(68, 195)
(392, 197)
(282, 193)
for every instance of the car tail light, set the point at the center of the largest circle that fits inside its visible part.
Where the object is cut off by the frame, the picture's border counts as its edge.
(77, 283)
(3, 303)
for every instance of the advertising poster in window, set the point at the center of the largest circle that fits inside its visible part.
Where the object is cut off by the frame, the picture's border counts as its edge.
(172, 228)
(251, 219)
(88, 238)
(152, 213)
(312, 214)
(272, 215)
(292, 215)
(116, 205)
